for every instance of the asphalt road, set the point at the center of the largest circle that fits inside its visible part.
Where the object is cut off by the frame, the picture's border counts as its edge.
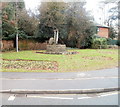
(60, 84)
(74, 80)
(86, 99)
(52, 75)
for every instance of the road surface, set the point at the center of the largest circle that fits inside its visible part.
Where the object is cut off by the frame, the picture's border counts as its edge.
(73, 80)
(86, 99)
(106, 78)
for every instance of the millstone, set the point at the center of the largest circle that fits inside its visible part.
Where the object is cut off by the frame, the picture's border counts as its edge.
(56, 49)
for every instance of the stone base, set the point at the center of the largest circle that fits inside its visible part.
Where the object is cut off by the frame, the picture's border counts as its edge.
(56, 49)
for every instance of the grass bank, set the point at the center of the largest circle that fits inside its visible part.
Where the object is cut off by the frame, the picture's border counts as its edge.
(84, 60)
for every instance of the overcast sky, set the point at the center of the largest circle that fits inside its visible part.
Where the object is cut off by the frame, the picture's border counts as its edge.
(91, 4)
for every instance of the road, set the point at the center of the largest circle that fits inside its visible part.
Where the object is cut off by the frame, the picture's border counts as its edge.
(53, 81)
(97, 73)
(95, 99)
(73, 80)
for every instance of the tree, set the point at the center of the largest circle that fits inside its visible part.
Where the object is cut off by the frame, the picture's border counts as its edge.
(112, 18)
(71, 19)
(114, 15)
(52, 15)
(27, 23)
(9, 19)
(79, 24)
(112, 33)
(8, 27)
(110, 8)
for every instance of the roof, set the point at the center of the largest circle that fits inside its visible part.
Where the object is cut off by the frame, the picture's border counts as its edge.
(103, 26)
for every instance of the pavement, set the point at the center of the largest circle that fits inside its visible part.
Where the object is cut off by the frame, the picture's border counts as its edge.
(70, 82)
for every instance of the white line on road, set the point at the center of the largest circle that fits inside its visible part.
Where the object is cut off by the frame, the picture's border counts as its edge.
(11, 98)
(50, 97)
(80, 98)
(103, 95)
(99, 95)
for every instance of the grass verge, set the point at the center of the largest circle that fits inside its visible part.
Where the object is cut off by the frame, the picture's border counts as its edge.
(84, 60)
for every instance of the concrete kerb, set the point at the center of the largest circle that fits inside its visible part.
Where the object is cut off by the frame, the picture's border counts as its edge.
(69, 91)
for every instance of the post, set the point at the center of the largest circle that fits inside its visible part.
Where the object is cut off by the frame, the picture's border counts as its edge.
(57, 36)
(17, 41)
(54, 36)
(16, 30)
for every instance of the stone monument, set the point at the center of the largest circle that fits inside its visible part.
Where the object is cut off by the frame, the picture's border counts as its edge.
(53, 47)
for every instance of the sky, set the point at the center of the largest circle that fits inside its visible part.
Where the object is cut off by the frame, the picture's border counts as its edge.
(92, 5)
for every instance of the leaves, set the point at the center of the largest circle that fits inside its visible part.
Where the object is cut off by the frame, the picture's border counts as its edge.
(27, 23)
(9, 18)
(71, 19)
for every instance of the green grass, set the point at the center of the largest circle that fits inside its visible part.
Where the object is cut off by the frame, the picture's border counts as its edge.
(85, 60)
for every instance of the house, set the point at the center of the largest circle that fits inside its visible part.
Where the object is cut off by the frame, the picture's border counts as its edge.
(103, 31)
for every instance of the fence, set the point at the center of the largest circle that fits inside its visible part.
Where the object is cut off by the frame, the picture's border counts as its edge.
(23, 45)
(7, 44)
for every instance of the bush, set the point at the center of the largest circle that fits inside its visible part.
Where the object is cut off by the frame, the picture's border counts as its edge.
(87, 42)
(98, 43)
(21, 35)
(112, 42)
(118, 42)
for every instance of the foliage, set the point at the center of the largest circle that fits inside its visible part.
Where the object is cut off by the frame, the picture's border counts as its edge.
(114, 13)
(112, 42)
(9, 17)
(113, 10)
(14, 16)
(109, 41)
(21, 35)
(10, 20)
(118, 42)
(7, 29)
(27, 23)
(71, 19)
(87, 42)
(98, 43)
(51, 16)
(112, 33)
(44, 32)
(79, 24)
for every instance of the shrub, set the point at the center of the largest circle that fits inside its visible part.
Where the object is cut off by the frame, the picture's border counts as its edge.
(87, 42)
(118, 42)
(112, 42)
(21, 35)
(98, 43)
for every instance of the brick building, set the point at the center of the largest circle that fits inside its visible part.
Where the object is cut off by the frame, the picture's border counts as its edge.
(103, 31)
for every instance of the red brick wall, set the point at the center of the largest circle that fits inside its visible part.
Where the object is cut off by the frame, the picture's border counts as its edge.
(103, 32)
